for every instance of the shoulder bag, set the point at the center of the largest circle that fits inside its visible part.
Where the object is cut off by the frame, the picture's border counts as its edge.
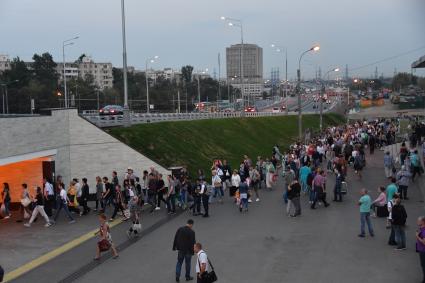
(208, 277)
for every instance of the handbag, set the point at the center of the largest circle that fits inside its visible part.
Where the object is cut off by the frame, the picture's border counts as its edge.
(25, 202)
(104, 245)
(137, 227)
(208, 277)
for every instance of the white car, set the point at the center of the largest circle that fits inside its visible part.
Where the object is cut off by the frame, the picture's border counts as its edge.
(275, 110)
(328, 101)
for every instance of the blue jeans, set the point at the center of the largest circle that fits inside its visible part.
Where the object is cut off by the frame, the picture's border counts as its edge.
(63, 205)
(6, 208)
(244, 203)
(312, 195)
(365, 217)
(187, 258)
(400, 236)
(217, 191)
(183, 198)
(285, 196)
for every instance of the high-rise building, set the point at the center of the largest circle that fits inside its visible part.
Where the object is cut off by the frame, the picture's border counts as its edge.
(4, 63)
(252, 56)
(101, 72)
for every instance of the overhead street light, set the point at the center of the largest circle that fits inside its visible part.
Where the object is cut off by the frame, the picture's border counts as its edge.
(313, 48)
(322, 91)
(126, 110)
(232, 22)
(151, 60)
(280, 50)
(65, 43)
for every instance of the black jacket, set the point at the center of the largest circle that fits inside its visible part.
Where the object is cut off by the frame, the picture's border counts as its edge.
(398, 214)
(184, 240)
(85, 192)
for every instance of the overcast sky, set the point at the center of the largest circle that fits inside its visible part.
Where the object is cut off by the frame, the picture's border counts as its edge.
(190, 31)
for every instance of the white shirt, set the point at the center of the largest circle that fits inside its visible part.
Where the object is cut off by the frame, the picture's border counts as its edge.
(203, 189)
(215, 179)
(236, 180)
(48, 188)
(63, 195)
(202, 258)
(78, 189)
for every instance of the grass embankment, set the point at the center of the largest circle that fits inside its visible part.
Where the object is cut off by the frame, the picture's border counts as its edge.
(197, 143)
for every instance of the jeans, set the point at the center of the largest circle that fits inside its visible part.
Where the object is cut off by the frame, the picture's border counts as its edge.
(365, 217)
(61, 204)
(402, 190)
(217, 191)
(171, 203)
(295, 203)
(205, 203)
(182, 199)
(101, 204)
(6, 208)
(400, 236)
(422, 259)
(161, 198)
(49, 205)
(196, 207)
(329, 165)
(244, 203)
(337, 193)
(312, 195)
(187, 258)
(118, 206)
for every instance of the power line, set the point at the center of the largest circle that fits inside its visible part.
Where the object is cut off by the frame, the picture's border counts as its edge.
(388, 58)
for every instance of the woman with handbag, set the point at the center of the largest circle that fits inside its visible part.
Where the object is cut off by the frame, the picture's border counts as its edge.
(39, 208)
(133, 206)
(105, 241)
(24, 210)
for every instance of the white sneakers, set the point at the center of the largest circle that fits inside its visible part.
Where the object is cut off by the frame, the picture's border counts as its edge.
(257, 199)
(157, 208)
(27, 225)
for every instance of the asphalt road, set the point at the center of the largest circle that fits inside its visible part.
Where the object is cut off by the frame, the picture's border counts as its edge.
(262, 245)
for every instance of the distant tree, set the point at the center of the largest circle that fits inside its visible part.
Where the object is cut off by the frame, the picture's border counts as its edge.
(402, 80)
(44, 68)
(187, 73)
(421, 83)
(80, 59)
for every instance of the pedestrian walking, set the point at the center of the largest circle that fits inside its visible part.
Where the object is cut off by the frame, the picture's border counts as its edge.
(288, 178)
(49, 194)
(85, 193)
(365, 202)
(99, 194)
(339, 178)
(5, 197)
(39, 201)
(403, 179)
(62, 204)
(24, 208)
(171, 195)
(319, 185)
(254, 184)
(243, 194)
(388, 164)
(184, 241)
(420, 243)
(134, 208)
(118, 202)
(294, 193)
(201, 263)
(398, 223)
(105, 239)
(235, 181)
(205, 197)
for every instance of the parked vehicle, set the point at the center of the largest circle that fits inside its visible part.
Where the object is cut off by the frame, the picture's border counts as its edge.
(250, 109)
(275, 110)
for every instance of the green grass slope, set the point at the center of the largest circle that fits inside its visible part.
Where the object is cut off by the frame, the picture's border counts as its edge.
(197, 143)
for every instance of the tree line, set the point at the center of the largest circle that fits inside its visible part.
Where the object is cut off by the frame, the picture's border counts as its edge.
(40, 81)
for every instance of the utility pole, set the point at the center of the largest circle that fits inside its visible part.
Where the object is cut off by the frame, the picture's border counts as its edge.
(178, 99)
(219, 82)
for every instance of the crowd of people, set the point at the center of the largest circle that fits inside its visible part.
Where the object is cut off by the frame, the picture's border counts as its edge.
(304, 169)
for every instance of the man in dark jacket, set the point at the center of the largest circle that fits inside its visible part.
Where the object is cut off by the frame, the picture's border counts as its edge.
(399, 216)
(85, 193)
(184, 241)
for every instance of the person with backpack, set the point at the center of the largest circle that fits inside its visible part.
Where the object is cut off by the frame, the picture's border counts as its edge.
(398, 223)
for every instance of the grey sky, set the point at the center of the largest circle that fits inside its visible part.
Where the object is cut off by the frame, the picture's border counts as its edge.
(190, 31)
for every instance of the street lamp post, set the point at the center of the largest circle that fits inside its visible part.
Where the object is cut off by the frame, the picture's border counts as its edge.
(6, 96)
(238, 23)
(285, 65)
(151, 60)
(65, 43)
(126, 110)
(199, 87)
(314, 48)
(322, 91)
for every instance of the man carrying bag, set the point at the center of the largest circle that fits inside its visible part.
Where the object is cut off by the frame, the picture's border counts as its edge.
(202, 262)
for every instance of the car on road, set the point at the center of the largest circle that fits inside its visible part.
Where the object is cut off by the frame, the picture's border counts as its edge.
(283, 108)
(110, 110)
(250, 109)
(275, 110)
(328, 101)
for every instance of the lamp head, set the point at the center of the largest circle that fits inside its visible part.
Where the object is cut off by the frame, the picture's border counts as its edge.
(230, 24)
(223, 18)
(315, 48)
(356, 80)
(272, 45)
(336, 70)
(156, 57)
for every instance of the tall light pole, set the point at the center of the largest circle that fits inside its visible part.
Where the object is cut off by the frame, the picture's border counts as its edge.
(151, 60)
(314, 48)
(322, 91)
(65, 43)
(126, 110)
(238, 23)
(285, 65)
(6, 96)
(199, 87)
